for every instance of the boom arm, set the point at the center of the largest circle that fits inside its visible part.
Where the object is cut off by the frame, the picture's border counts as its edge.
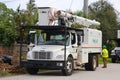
(71, 19)
(51, 16)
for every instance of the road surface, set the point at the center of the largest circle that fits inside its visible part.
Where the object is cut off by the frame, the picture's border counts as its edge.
(110, 73)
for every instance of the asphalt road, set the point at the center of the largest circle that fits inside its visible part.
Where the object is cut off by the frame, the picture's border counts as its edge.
(110, 73)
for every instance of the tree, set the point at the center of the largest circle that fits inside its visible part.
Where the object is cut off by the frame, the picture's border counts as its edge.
(26, 17)
(7, 29)
(103, 12)
(31, 14)
(79, 13)
(11, 20)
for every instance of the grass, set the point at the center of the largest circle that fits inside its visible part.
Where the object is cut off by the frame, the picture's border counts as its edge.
(3, 74)
(101, 61)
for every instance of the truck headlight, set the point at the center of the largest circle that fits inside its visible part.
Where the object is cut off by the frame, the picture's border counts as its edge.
(59, 64)
(28, 54)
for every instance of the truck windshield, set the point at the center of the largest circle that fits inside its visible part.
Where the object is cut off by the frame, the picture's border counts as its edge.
(53, 38)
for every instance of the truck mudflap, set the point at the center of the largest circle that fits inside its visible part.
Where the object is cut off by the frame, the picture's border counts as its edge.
(43, 64)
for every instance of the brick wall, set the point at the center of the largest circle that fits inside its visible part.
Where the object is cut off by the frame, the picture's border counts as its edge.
(12, 49)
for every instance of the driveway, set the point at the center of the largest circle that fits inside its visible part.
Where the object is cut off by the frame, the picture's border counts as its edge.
(110, 73)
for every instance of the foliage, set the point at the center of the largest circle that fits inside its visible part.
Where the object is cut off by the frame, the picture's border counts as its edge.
(11, 20)
(1, 33)
(27, 17)
(7, 27)
(111, 45)
(100, 60)
(3, 73)
(78, 13)
(76, 25)
(103, 12)
(9, 37)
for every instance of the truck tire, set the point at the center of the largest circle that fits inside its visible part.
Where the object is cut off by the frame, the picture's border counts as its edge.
(32, 70)
(69, 67)
(97, 60)
(92, 64)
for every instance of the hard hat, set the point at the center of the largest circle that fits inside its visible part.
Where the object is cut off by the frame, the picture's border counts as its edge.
(104, 46)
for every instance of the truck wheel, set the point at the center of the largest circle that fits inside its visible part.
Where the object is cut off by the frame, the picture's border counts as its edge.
(69, 67)
(32, 70)
(92, 64)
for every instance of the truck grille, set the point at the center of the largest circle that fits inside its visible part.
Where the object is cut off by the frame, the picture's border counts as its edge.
(42, 55)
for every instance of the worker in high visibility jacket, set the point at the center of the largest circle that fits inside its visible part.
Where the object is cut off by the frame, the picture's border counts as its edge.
(104, 56)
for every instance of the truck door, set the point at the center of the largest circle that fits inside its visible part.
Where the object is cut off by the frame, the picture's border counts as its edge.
(74, 45)
(79, 54)
(32, 39)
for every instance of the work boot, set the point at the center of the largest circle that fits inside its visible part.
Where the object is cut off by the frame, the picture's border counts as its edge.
(104, 67)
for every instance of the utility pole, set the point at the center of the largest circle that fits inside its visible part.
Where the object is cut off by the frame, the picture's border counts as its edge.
(85, 8)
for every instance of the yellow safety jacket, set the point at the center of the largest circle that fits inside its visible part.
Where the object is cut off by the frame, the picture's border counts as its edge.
(105, 53)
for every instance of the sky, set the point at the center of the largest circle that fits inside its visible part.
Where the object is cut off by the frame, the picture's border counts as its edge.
(73, 5)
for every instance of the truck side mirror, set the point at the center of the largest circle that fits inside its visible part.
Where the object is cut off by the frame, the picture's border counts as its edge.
(78, 43)
(28, 39)
(79, 40)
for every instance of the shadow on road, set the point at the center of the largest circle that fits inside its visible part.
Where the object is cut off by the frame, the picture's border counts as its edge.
(56, 72)
(50, 73)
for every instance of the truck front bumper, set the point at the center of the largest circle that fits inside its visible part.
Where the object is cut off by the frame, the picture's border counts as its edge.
(43, 64)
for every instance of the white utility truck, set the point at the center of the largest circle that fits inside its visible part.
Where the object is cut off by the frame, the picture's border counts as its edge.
(54, 44)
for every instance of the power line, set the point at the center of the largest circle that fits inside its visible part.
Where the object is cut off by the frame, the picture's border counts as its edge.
(71, 4)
